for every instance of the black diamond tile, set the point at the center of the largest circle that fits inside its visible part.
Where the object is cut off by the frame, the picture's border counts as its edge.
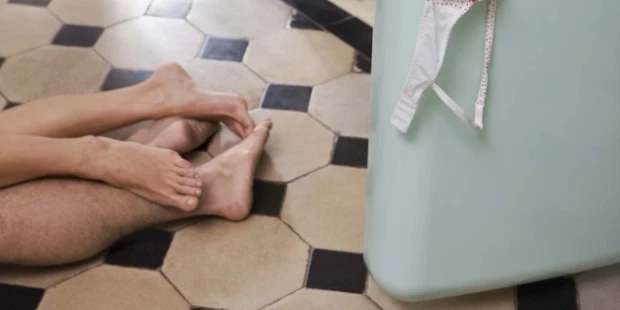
(13, 297)
(118, 78)
(170, 9)
(554, 294)
(355, 33)
(225, 49)
(11, 105)
(1, 61)
(201, 308)
(321, 12)
(352, 152)
(144, 249)
(287, 97)
(76, 35)
(299, 21)
(337, 271)
(31, 2)
(268, 197)
(362, 63)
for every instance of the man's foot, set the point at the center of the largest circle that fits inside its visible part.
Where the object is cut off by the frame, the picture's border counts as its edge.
(227, 179)
(178, 90)
(159, 175)
(177, 134)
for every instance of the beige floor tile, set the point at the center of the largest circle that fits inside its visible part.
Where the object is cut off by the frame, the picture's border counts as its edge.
(239, 18)
(147, 42)
(598, 289)
(494, 300)
(302, 57)
(45, 277)
(326, 208)
(308, 299)
(111, 287)
(297, 145)
(343, 104)
(362, 9)
(25, 27)
(97, 12)
(52, 70)
(226, 76)
(242, 265)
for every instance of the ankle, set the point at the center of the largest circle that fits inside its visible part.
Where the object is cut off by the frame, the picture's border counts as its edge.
(94, 153)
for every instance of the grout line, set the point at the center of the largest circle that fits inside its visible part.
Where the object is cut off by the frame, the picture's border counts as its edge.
(175, 287)
(370, 299)
(281, 298)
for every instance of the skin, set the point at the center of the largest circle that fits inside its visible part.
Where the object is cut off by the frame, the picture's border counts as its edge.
(67, 194)
(57, 138)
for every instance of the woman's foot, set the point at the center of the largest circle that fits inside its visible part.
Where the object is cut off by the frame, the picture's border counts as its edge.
(227, 179)
(178, 90)
(159, 175)
(177, 134)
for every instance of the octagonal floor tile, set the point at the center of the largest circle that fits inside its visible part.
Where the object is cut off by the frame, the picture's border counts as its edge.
(297, 145)
(52, 70)
(226, 76)
(239, 18)
(598, 288)
(243, 265)
(97, 12)
(308, 299)
(111, 287)
(299, 57)
(343, 104)
(326, 208)
(25, 27)
(148, 42)
(44, 277)
(494, 300)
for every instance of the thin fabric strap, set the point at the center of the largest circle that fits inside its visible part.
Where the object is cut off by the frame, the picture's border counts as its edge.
(488, 50)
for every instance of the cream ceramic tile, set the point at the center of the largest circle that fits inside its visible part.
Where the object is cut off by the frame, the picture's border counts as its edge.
(52, 70)
(97, 12)
(326, 208)
(308, 299)
(598, 289)
(239, 18)
(243, 265)
(297, 145)
(227, 76)
(45, 277)
(148, 42)
(301, 57)
(111, 287)
(494, 300)
(362, 9)
(25, 27)
(343, 104)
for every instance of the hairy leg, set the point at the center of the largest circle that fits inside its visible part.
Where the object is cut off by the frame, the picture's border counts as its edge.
(169, 92)
(61, 220)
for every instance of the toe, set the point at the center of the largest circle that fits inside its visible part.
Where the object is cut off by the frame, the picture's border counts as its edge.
(188, 173)
(188, 190)
(194, 182)
(182, 163)
(188, 203)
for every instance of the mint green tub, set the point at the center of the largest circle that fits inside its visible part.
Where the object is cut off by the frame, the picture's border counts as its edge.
(536, 193)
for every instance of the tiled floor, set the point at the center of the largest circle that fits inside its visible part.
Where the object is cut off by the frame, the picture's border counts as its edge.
(303, 63)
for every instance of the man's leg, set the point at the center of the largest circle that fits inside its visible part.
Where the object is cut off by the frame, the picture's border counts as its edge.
(56, 221)
(169, 92)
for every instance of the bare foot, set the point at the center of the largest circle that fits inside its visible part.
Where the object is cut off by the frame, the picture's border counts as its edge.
(179, 90)
(227, 179)
(177, 134)
(158, 175)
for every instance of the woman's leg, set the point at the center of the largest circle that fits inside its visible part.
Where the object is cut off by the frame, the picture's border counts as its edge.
(169, 92)
(55, 221)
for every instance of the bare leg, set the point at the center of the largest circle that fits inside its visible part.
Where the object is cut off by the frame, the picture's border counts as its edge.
(55, 221)
(169, 92)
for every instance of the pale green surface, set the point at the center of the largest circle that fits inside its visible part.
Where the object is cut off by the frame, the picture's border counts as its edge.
(534, 195)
